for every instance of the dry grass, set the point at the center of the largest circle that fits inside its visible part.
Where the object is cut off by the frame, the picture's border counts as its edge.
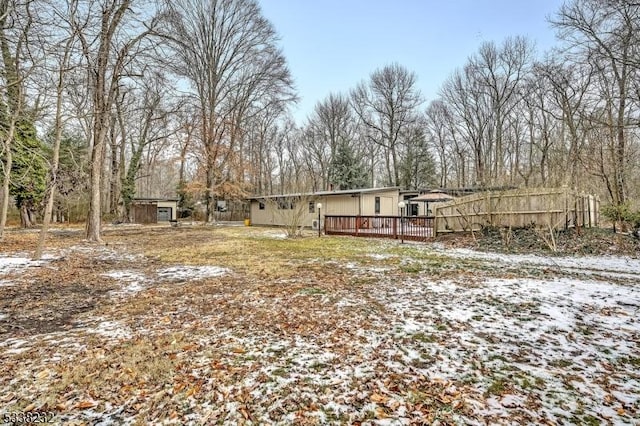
(192, 351)
(256, 253)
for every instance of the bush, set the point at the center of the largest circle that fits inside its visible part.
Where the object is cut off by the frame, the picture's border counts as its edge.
(622, 214)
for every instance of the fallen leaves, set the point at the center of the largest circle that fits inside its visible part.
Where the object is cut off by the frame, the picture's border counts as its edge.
(325, 342)
(85, 404)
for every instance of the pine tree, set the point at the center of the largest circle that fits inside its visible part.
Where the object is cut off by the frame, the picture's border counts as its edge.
(417, 169)
(347, 171)
(28, 172)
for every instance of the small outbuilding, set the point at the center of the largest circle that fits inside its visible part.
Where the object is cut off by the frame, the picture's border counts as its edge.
(154, 210)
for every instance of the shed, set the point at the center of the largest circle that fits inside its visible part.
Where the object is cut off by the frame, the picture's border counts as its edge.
(154, 210)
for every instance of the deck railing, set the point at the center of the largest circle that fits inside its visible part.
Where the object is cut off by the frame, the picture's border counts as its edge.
(417, 228)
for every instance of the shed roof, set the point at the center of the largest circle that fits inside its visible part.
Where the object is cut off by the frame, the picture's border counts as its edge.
(155, 199)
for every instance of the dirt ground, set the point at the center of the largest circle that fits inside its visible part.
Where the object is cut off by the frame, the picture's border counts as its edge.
(239, 325)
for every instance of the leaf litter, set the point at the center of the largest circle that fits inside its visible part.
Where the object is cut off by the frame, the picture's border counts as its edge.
(358, 339)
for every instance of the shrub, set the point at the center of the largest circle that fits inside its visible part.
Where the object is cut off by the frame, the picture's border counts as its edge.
(622, 214)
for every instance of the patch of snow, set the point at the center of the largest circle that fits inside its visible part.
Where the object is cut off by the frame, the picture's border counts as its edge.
(14, 346)
(357, 267)
(125, 275)
(133, 279)
(380, 256)
(111, 329)
(6, 283)
(601, 265)
(11, 264)
(105, 253)
(512, 401)
(184, 272)
(133, 287)
(625, 398)
(277, 235)
(549, 329)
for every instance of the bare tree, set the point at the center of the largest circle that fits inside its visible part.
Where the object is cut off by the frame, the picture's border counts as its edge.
(330, 124)
(439, 137)
(567, 89)
(228, 53)
(146, 123)
(605, 34)
(500, 71)
(388, 105)
(469, 111)
(63, 64)
(106, 66)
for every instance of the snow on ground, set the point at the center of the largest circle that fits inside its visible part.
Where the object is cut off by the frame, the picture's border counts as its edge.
(566, 342)
(523, 350)
(613, 266)
(104, 253)
(134, 281)
(184, 272)
(12, 264)
(14, 346)
(110, 328)
(277, 235)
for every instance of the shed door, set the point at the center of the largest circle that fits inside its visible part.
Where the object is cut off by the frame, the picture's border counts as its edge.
(164, 214)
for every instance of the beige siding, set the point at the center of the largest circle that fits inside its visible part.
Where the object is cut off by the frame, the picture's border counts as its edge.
(388, 203)
(272, 215)
(262, 217)
(173, 205)
(339, 204)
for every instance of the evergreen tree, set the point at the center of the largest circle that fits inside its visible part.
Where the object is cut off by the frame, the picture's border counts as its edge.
(417, 169)
(28, 172)
(347, 171)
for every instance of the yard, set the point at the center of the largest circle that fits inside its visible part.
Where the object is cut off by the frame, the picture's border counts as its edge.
(232, 325)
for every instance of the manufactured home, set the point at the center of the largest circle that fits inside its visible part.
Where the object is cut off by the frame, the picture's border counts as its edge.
(278, 210)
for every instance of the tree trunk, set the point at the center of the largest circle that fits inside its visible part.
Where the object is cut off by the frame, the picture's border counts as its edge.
(53, 173)
(95, 214)
(25, 217)
(6, 179)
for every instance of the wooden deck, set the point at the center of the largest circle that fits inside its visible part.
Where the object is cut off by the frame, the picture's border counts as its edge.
(415, 228)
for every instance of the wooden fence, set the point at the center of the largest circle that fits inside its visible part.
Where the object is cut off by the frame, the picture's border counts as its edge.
(416, 228)
(555, 208)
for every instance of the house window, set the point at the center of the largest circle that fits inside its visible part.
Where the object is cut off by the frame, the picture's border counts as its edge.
(312, 207)
(413, 210)
(377, 205)
(261, 205)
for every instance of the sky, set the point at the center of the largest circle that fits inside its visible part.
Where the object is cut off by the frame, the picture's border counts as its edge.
(332, 45)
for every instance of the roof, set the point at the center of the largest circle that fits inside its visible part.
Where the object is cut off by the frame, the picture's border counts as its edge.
(459, 192)
(432, 197)
(155, 199)
(328, 193)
